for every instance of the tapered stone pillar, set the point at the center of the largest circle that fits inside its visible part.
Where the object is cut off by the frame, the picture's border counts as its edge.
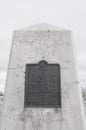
(42, 90)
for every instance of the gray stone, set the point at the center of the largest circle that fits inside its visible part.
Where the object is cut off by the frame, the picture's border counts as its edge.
(31, 45)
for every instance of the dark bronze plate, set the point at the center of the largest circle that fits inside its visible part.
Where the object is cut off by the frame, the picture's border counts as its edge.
(42, 85)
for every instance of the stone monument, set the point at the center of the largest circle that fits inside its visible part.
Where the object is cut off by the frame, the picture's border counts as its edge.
(42, 90)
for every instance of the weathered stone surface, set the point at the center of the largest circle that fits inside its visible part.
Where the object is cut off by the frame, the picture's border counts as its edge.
(31, 45)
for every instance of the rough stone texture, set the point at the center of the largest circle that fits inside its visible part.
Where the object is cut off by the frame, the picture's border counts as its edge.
(30, 45)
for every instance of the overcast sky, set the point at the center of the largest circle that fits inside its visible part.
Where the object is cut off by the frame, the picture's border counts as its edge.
(17, 14)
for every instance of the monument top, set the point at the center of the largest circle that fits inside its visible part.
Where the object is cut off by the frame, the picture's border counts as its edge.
(42, 91)
(43, 26)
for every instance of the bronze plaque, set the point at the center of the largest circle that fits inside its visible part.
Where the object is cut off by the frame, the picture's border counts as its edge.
(42, 85)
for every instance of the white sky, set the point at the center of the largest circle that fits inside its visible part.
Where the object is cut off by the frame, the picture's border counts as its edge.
(68, 14)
